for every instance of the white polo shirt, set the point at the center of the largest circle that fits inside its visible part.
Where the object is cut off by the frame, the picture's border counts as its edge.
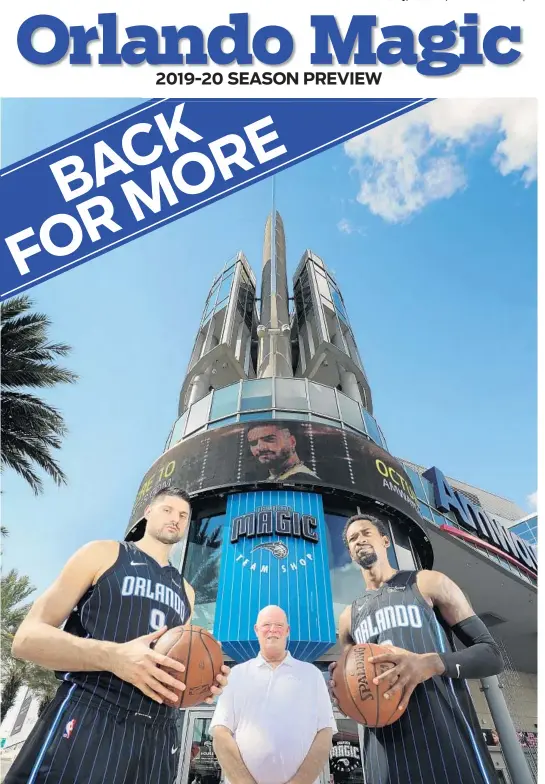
(274, 715)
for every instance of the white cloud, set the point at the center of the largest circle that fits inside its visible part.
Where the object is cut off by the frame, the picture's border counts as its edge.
(347, 227)
(416, 159)
(532, 501)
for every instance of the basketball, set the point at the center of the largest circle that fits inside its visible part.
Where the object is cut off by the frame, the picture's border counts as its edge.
(200, 653)
(358, 697)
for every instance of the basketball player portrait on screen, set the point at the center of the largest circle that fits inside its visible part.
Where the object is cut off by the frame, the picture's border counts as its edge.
(415, 613)
(274, 446)
(109, 723)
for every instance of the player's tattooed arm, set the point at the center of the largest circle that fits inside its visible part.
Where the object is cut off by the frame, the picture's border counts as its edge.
(443, 593)
(39, 638)
(480, 659)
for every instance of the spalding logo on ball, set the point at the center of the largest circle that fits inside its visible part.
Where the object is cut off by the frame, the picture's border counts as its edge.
(358, 697)
(201, 654)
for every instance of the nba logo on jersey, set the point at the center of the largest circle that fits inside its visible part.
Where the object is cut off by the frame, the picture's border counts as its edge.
(69, 729)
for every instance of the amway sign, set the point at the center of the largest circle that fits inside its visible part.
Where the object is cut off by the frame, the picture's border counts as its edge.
(474, 519)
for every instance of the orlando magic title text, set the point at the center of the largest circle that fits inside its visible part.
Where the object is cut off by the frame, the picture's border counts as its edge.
(430, 50)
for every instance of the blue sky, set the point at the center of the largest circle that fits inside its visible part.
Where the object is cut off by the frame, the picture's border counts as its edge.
(433, 244)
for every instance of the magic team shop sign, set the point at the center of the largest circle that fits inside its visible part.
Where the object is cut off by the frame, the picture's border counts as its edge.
(344, 756)
(274, 551)
(279, 520)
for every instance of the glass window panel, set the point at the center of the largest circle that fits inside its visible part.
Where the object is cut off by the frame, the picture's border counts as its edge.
(339, 306)
(323, 288)
(256, 415)
(437, 518)
(371, 426)
(350, 411)
(428, 489)
(450, 517)
(225, 288)
(256, 394)
(322, 400)
(202, 565)
(198, 414)
(325, 421)
(403, 548)
(291, 393)
(425, 512)
(301, 416)
(178, 432)
(225, 401)
(414, 476)
(222, 422)
(209, 308)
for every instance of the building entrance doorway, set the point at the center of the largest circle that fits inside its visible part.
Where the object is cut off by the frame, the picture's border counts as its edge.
(198, 762)
(345, 757)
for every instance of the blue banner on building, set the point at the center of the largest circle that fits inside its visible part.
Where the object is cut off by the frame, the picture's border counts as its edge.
(154, 164)
(275, 552)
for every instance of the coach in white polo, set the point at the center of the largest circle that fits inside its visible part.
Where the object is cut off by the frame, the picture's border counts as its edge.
(274, 722)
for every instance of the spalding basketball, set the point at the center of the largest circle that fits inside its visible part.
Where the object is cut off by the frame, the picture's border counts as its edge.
(200, 653)
(357, 695)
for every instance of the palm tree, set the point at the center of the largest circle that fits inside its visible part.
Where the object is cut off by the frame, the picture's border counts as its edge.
(31, 428)
(15, 590)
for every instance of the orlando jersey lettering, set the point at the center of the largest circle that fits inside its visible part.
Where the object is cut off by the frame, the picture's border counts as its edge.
(135, 596)
(393, 617)
(438, 738)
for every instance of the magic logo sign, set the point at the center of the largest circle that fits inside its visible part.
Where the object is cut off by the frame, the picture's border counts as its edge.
(281, 521)
(275, 554)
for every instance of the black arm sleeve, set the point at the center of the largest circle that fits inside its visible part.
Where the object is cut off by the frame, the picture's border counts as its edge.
(482, 656)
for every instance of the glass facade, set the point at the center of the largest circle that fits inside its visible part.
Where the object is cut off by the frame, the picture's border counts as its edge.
(321, 326)
(219, 293)
(527, 529)
(201, 567)
(226, 340)
(278, 398)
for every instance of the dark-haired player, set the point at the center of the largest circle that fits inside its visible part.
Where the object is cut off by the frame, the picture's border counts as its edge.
(109, 723)
(438, 738)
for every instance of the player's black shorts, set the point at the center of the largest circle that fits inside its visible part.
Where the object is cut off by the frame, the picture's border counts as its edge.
(79, 740)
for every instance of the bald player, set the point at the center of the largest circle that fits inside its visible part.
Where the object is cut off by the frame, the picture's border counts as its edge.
(438, 738)
(109, 722)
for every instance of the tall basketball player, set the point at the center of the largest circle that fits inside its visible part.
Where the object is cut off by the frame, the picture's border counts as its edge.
(438, 738)
(109, 723)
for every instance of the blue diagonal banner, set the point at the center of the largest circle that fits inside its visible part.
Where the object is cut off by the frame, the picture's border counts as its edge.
(154, 164)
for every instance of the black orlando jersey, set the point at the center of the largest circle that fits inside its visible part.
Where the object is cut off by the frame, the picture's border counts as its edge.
(135, 596)
(438, 738)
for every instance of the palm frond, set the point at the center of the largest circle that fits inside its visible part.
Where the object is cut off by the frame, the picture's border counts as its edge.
(13, 307)
(31, 428)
